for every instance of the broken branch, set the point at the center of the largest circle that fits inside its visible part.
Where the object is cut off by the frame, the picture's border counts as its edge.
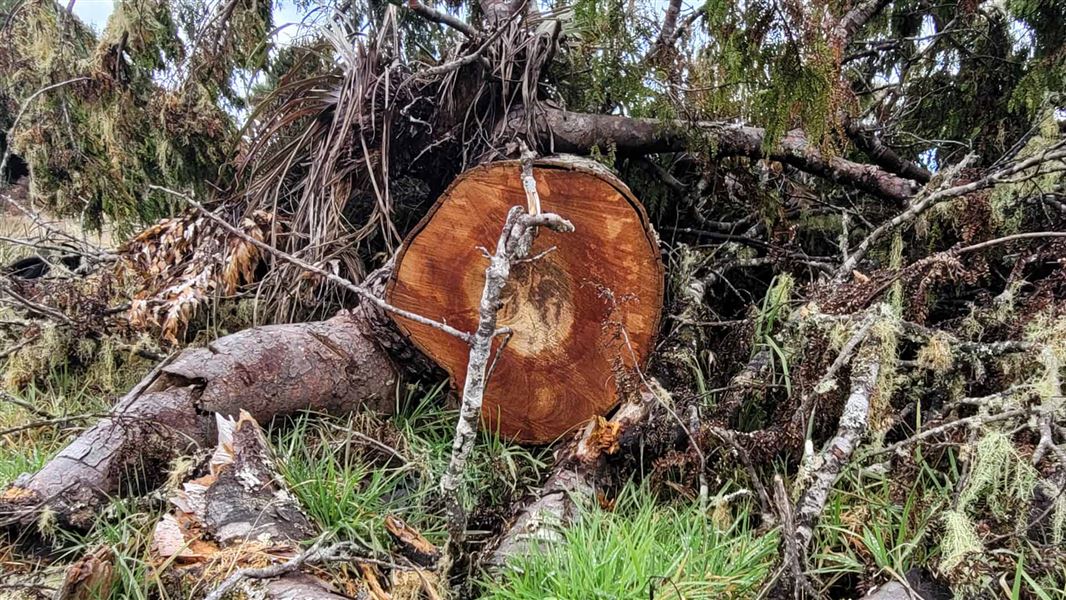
(514, 244)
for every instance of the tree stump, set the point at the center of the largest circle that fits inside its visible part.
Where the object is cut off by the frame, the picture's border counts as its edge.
(584, 309)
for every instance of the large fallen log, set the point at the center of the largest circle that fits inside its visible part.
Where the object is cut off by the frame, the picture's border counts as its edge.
(584, 304)
(583, 307)
(330, 366)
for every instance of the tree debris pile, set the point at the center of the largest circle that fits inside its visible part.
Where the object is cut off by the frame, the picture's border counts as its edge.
(511, 300)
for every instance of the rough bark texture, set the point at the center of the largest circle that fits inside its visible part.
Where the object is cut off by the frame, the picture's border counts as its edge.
(516, 239)
(330, 366)
(852, 428)
(563, 131)
(886, 157)
(855, 18)
(585, 304)
(300, 586)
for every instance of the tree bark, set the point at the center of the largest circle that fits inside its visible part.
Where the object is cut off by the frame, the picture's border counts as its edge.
(564, 131)
(885, 157)
(236, 514)
(331, 366)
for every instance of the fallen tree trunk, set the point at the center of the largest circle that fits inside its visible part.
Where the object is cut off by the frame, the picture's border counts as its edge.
(576, 313)
(582, 305)
(330, 366)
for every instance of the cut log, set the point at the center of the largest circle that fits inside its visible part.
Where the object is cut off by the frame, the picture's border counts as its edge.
(586, 306)
(329, 366)
(579, 314)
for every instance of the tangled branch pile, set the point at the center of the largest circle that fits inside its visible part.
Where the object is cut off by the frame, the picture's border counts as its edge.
(856, 377)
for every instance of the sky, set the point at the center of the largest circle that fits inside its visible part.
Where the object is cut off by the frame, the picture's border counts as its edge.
(95, 14)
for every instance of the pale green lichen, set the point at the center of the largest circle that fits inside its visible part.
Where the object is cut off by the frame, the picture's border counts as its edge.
(960, 540)
(999, 475)
(936, 355)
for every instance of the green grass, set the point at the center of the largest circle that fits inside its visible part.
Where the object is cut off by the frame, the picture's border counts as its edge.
(874, 529)
(126, 528)
(60, 394)
(644, 549)
(348, 485)
(866, 531)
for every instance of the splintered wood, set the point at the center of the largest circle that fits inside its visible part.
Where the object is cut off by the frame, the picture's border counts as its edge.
(586, 304)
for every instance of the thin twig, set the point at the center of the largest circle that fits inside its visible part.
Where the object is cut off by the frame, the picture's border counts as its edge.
(971, 421)
(22, 110)
(19, 346)
(359, 290)
(35, 307)
(37, 411)
(49, 423)
(795, 549)
(765, 505)
(922, 203)
(340, 552)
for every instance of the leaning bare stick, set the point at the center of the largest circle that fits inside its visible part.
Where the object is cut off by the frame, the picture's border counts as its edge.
(514, 244)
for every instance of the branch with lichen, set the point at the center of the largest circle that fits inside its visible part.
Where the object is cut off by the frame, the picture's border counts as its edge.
(513, 245)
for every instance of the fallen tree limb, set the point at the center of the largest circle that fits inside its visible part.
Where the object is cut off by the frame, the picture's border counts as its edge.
(854, 422)
(564, 131)
(884, 156)
(241, 513)
(330, 366)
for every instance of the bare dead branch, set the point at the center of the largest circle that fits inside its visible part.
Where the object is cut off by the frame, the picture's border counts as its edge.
(930, 198)
(837, 453)
(513, 244)
(31, 408)
(34, 307)
(974, 421)
(359, 290)
(795, 552)
(439, 17)
(565, 131)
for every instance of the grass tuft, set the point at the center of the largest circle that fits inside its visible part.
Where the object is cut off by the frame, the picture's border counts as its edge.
(644, 549)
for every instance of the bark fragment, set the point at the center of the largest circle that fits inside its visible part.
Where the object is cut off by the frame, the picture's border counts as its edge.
(237, 515)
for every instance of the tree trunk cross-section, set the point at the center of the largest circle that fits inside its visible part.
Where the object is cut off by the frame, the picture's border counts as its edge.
(578, 312)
